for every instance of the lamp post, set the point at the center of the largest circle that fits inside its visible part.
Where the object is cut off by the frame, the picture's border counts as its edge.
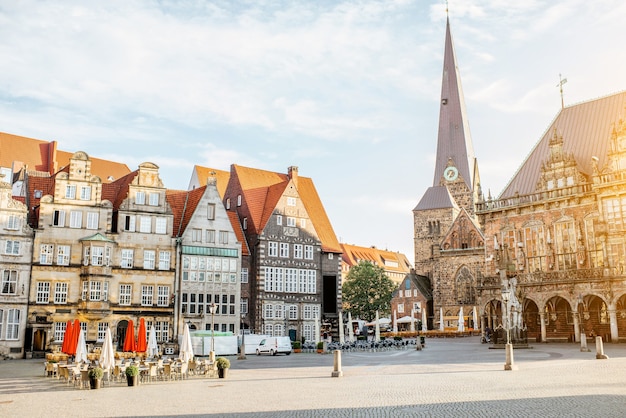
(242, 350)
(509, 364)
(212, 309)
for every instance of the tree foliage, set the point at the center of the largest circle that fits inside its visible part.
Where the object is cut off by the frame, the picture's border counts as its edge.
(367, 289)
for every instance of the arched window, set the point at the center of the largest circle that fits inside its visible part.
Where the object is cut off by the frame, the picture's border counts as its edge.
(465, 291)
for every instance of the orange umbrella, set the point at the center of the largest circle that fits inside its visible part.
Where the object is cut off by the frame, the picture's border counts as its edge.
(142, 343)
(67, 337)
(71, 350)
(129, 341)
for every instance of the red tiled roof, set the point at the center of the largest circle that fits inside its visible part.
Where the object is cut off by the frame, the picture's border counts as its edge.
(117, 191)
(222, 177)
(262, 190)
(183, 204)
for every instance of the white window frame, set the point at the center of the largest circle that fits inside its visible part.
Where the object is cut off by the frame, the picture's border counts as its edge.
(223, 237)
(272, 249)
(76, 219)
(298, 251)
(129, 223)
(291, 221)
(279, 219)
(291, 201)
(308, 252)
(13, 324)
(58, 218)
(163, 295)
(102, 329)
(9, 283)
(63, 255)
(13, 222)
(12, 247)
(70, 191)
(210, 211)
(149, 259)
(60, 293)
(153, 199)
(92, 220)
(164, 260)
(140, 198)
(147, 295)
(244, 275)
(46, 254)
(42, 293)
(85, 193)
(210, 236)
(283, 250)
(160, 225)
(127, 256)
(126, 294)
(145, 224)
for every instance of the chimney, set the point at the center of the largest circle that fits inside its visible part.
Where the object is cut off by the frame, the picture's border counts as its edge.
(292, 172)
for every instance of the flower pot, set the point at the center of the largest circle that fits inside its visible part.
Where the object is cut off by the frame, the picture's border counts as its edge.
(297, 350)
(222, 373)
(320, 350)
(95, 383)
(132, 380)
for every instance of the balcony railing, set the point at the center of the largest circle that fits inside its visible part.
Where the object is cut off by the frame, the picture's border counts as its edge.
(529, 199)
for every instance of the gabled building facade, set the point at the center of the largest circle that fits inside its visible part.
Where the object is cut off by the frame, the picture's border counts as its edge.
(16, 242)
(294, 277)
(102, 254)
(211, 247)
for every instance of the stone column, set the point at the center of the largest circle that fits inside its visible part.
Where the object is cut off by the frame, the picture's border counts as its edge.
(542, 318)
(613, 320)
(576, 327)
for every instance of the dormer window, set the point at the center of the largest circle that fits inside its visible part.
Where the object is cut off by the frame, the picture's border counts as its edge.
(85, 193)
(140, 198)
(154, 199)
(70, 191)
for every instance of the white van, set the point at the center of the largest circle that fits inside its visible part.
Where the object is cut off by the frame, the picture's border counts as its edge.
(274, 345)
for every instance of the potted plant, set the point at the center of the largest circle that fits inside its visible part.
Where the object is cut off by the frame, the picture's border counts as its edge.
(132, 375)
(320, 347)
(223, 364)
(297, 347)
(95, 377)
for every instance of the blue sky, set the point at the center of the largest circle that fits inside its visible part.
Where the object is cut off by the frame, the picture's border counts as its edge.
(348, 91)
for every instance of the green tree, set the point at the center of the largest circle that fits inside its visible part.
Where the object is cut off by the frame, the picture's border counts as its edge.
(367, 289)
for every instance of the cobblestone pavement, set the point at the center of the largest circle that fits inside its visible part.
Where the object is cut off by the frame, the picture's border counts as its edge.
(449, 378)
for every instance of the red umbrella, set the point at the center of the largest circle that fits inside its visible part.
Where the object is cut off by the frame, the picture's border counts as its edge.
(142, 344)
(129, 341)
(67, 337)
(71, 350)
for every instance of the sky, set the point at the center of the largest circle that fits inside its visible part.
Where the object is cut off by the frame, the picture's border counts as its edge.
(347, 91)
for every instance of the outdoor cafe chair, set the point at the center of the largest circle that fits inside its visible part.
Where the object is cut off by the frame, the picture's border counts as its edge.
(84, 379)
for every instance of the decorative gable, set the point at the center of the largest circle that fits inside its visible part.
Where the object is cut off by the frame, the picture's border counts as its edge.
(463, 234)
(560, 169)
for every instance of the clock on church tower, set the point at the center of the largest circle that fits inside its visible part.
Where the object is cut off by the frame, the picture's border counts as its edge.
(451, 173)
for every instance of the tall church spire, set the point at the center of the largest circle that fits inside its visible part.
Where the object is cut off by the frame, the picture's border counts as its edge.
(454, 142)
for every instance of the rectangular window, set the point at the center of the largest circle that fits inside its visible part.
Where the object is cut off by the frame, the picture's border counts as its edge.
(92, 220)
(268, 311)
(307, 312)
(129, 223)
(291, 280)
(308, 252)
(76, 219)
(164, 260)
(9, 283)
(140, 198)
(154, 199)
(279, 219)
(60, 293)
(291, 201)
(210, 211)
(12, 247)
(297, 251)
(272, 249)
(160, 226)
(293, 312)
(311, 281)
(303, 223)
(85, 193)
(302, 281)
(284, 250)
(238, 200)
(102, 329)
(13, 222)
(59, 331)
(163, 297)
(63, 255)
(244, 225)
(196, 235)
(244, 275)
(70, 191)
(46, 254)
(127, 258)
(97, 256)
(58, 218)
(85, 291)
(95, 289)
(145, 224)
(243, 306)
(210, 236)
(125, 294)
(43, 292)
(148, 259)
(223, 237)
(291, 221)
(147, 294)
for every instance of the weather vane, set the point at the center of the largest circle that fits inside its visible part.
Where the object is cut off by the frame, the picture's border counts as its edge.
(560, 86)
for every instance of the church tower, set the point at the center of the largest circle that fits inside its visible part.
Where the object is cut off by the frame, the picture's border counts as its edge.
(449, 243)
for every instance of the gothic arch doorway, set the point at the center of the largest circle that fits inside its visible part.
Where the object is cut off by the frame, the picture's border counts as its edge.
(121, 334)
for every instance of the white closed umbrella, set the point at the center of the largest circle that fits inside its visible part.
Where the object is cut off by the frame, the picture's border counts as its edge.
(341, 330)
(441, 325)
(350, 330)
(81, 348)
(461, 322)
(412, 322)
(186, 350)
(377, 333)
(424, 323)
(317, 331)
(395, 322)
(107, 354)
(153, 347)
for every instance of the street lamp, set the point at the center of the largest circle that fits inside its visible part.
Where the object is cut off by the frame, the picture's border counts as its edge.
(242, 350)
(509, 364)
(212, 309)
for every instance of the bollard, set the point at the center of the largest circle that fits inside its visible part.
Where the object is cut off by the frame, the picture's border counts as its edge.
(583, 343)
(600, 349)
(337, 364)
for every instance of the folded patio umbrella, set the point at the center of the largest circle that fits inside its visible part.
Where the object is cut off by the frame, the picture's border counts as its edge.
(67, 338)
(142, 344)
(129, 341)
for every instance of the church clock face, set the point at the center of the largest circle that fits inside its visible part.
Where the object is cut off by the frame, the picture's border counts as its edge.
(451, 173)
